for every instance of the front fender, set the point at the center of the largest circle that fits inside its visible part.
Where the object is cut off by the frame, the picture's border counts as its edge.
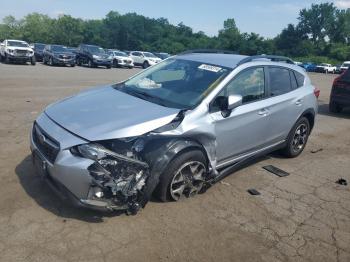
(159, 152)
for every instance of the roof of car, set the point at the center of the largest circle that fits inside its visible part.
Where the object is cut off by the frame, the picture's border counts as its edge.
(225, 60)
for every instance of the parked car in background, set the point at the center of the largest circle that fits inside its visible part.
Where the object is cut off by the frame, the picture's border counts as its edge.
(93, 56)
(38, 51)
(162, 55)
(340, 94)
(144, 59)
(173, 129)
(325, 68)
(338, 69)
(309, 66)
(58, 55)
(16, 51)
(121, 59)
(72, 49)
(345, 66)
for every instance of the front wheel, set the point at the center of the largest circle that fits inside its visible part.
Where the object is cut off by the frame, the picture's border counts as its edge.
(297, 138)
(33, 61)
(145, 65)
(184, 177)
(90, 64)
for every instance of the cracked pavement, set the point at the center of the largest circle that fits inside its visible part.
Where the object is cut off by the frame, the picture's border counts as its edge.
(302, 217)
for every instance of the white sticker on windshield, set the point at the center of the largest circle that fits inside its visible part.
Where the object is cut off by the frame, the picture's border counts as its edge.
(210, 68)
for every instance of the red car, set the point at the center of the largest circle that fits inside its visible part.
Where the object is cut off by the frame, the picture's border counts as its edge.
(340, 94)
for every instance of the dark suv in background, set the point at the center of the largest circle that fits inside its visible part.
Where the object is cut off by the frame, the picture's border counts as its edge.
(58, 55)
(93, 56)
(340, 94)
(38, 51)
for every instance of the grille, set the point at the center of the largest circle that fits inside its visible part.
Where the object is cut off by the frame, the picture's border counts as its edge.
(46, 145)
(65, 56)
(127, 61)
(21, 52)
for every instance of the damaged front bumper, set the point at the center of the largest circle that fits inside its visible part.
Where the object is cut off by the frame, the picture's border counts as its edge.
(113, 182)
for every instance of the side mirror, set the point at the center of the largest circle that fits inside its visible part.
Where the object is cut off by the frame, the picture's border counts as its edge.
(2, 44)
(234, 101)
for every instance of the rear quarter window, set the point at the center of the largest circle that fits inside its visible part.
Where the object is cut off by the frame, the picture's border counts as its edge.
(300, 78)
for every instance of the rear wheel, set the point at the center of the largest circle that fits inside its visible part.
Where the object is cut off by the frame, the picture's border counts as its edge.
(184, 177)
(115, 63)
(335, 107)
(297, 138)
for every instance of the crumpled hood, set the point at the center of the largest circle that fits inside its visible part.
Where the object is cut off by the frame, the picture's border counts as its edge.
(106, 113)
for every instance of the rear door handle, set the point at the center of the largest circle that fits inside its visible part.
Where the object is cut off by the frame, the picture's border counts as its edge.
(299, 102)
(263, 112)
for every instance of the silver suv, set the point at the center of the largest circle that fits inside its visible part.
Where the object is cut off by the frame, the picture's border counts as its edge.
(172, 130)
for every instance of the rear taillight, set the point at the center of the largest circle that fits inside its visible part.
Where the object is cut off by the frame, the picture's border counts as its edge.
(317, 92)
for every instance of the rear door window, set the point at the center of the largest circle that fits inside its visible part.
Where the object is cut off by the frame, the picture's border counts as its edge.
(279, 81)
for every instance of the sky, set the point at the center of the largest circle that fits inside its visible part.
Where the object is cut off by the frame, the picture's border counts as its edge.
(265, 17)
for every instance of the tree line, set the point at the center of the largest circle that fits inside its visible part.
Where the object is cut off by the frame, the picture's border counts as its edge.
(321, 34)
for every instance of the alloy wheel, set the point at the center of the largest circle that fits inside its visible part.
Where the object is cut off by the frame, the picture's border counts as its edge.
(188, 180)
(300, 137)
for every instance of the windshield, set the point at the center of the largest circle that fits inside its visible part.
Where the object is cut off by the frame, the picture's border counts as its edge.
(39, 46)
(17, 43)
(346, 65)
(325, 64)
(120, 54)
(59, 48)
(95, 49)
(175, 83)
(147, 54)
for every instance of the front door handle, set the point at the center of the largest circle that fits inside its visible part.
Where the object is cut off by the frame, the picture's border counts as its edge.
(263, 112)
(299, 102)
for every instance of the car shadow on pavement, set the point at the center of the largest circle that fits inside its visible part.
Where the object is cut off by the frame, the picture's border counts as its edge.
(323, 109)
(37, 189)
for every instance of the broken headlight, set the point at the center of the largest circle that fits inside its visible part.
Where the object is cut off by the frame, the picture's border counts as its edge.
(92, 151)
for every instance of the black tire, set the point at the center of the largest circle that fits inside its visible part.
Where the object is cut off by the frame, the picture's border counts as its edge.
(162, 191)
(131, 67)
(115, 63)
(33, 61)
(78, 62)
(44, 61)
(334, 107)
(90, 64)
(145, 65)
(50, 63)
(72, 65)
(109, 67)
(291, 150)
(7, 59)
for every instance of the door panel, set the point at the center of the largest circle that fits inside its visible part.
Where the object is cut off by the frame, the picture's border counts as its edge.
(243, 131)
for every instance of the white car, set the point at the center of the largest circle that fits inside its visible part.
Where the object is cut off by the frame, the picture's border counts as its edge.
(16, 51)
(326, 68)
(144, 59)
(345, 66)
(121, 59)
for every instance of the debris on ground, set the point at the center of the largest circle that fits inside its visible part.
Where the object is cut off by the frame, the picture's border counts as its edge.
(314, 151)
(276, 171)
(342, 182)
(225, 183)
(253, 192)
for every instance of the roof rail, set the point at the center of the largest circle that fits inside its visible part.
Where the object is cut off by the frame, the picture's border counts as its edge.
(273, 58)
(208, 51)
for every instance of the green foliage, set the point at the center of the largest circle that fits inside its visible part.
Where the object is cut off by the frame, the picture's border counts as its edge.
(321, 35)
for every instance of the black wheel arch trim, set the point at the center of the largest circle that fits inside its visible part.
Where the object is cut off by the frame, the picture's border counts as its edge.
(159, 152)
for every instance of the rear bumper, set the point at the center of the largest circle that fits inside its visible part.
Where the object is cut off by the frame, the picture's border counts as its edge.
(342, 100)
